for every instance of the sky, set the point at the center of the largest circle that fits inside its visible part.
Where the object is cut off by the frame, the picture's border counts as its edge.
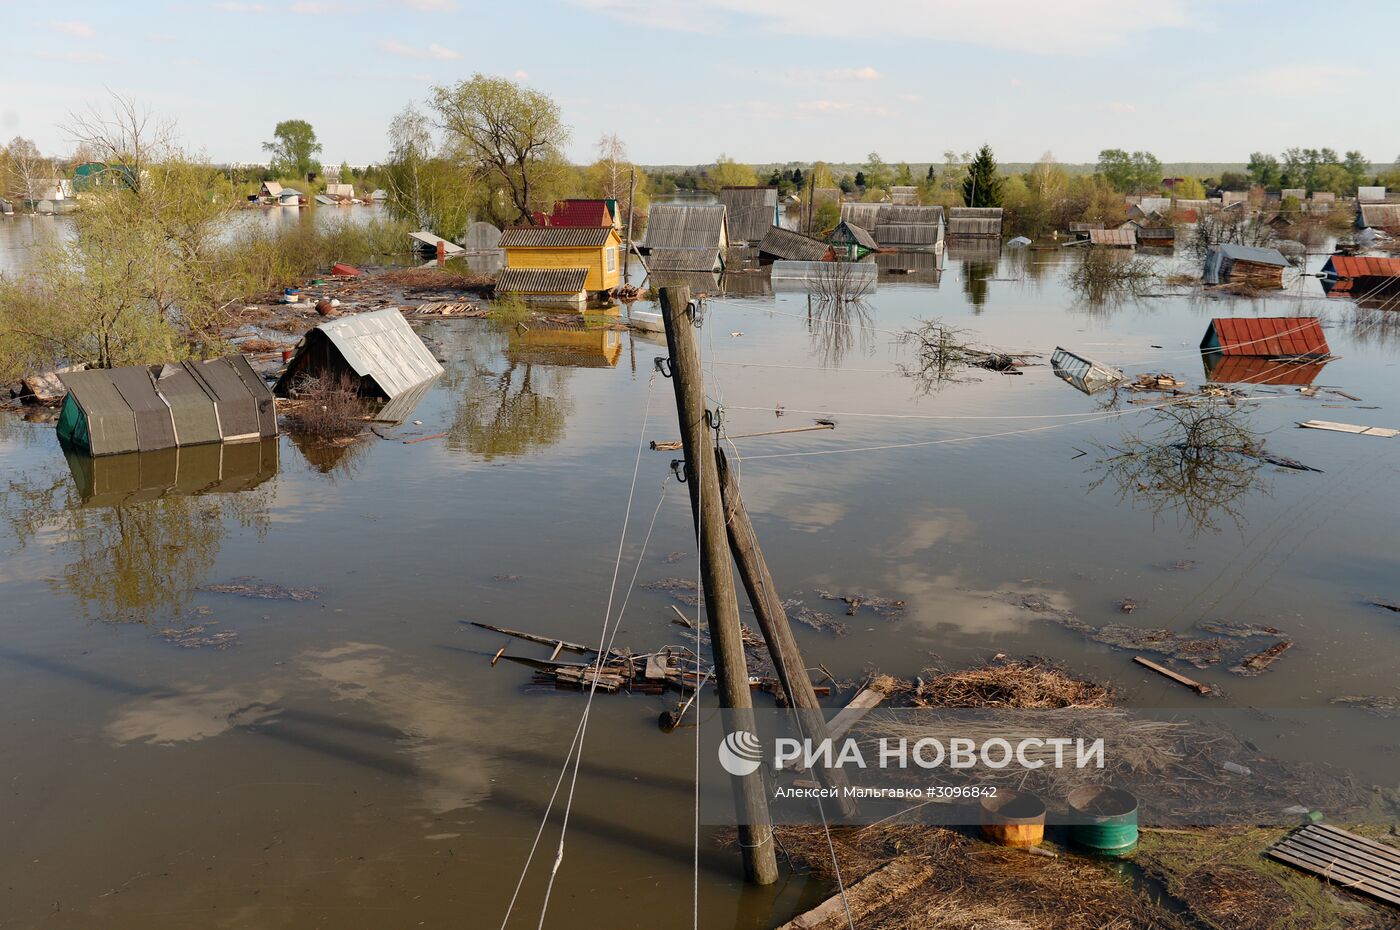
(681, 81)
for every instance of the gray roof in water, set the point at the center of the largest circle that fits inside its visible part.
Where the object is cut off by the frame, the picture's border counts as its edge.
(1250, 253)
(751, 210)
(787, 244)
(686, 226)
(380, 346)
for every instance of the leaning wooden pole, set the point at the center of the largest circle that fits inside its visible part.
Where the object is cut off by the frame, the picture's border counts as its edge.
(721, 599)
(773, 621)
(627, 252)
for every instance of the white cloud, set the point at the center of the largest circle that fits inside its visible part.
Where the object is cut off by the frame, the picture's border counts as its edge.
(522, 75)
(233, 7)
(852, 74)
(1022, 25)
(1301, 80)
(73, 28)
(431, 6)
(1118, 106)
(433, 51)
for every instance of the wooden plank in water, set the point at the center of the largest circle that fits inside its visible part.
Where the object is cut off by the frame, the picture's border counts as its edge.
(1346, 859)
(1383, 431)
(862, 704)
(550, 641)
(1177, 677)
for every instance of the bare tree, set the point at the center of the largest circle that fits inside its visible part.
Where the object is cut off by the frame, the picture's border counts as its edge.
(124, 136)
(29, 169)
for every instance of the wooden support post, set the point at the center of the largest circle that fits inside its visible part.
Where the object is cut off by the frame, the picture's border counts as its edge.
(627, 252)
(721, 600)
(773, 621)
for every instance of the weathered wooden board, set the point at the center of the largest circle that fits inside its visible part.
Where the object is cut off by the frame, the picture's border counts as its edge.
(1382, 431)
(1352, 861)
(865, 897)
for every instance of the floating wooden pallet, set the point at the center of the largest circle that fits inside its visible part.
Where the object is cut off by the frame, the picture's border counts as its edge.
(1346, 859)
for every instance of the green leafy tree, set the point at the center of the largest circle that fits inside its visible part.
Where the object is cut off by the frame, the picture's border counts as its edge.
(507, 136)
(982, 186)
(1263, 169)
(877, 173)
(1130, 173)
(729, 173)
(1357, 167)
(903, 177)
(1189, 189)
(293, 148)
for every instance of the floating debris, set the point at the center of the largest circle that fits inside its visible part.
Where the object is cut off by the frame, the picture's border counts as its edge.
(1127, 605)
(248, 586)
(1380, 705)
(505, 577)
(673, 557)
(816, 619)
(681, 589)
(198, 637)
(881, 605)
(1388, 605)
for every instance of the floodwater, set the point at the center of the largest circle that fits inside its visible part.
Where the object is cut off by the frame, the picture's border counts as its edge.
(352, 759)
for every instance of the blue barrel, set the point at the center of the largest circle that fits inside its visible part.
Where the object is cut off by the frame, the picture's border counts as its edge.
(1105, 820)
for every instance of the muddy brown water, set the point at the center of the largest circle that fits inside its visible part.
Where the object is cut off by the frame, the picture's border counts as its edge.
(352, 759)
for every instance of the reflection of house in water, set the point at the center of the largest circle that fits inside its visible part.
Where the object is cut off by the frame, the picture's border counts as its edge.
(974, 250)
(751, 283)
(566, 346)
(1361, 277)
(922, 267)
(1265, 350)
(113, 480)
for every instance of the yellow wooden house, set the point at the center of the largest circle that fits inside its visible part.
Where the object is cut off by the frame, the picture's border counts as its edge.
(595, 249)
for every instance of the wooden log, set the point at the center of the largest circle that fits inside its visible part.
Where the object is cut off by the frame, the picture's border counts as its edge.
(1195, 686)
(863, 703)
(550, 641)
(875, 891)
(721, 600)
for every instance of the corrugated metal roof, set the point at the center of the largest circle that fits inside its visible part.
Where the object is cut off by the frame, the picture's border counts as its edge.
(1157, 232)
(677, 259)
(581, 213)
(974, 222)
(430, 241)
(1084, 227)
(687, 226)
(750, 210)
(1122, 238)
(1270, 336)
(541, 280)
(904, 195)
(1362, 266)
(1083, 372)
(893, 224)
(1380, 215)
(786, 244)
(909, 234)
(379, 345)
(1250, 253)
(553, 237)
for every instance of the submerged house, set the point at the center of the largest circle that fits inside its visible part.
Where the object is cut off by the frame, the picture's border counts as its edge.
(379, 351)
(1361, 276)
(1384, 216)
(143, 408)
(270, 191)
(686, 237)
(1264, 350)
(594, 250)
(1160, 237)
(854, 240)
(1229, 263)
(751, 211)
(974, 222)
(896, 226)
(559, 287)
(780, 244)
(1113, 238)
(428, 243)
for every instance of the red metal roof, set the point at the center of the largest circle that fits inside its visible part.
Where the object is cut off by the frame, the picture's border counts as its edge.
(1363, 266)
(581, 213)
(1271, 336)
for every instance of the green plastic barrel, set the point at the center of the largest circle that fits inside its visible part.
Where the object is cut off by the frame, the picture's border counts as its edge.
(1106, 820)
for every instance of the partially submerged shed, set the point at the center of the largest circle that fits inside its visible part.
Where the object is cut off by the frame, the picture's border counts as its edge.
(594, 249)
(428, 243)
(1161, 237)
(1229, 263)
(1264, 350)
(143, 408)
(897, 226)
(377, 350)
(549, 286)
(852, 239)
(1361, 276)
(1113, 238)
(686, 237)
(1384, 216)
(974, 222)
(784, 244)
(751, 211)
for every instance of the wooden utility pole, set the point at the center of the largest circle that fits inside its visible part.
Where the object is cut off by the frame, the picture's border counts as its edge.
(627, 252)
(772, 619)
(721, 600)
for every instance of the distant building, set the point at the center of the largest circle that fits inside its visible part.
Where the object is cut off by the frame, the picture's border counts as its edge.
(1113, 238)
(270, 190)
(750, 211)
(1370, 194)
(896, 226)
(904, 196)
(974, 222)
(597, 250)
(1157, 237)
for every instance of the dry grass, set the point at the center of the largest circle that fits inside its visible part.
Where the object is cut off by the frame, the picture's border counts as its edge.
(327, 410)
(1012, 684)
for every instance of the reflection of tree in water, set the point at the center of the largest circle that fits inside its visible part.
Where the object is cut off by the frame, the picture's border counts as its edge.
(1198, 463)
(134, 562)
(333, 458)
(509, 412)
(837, 327)
(975, 276)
